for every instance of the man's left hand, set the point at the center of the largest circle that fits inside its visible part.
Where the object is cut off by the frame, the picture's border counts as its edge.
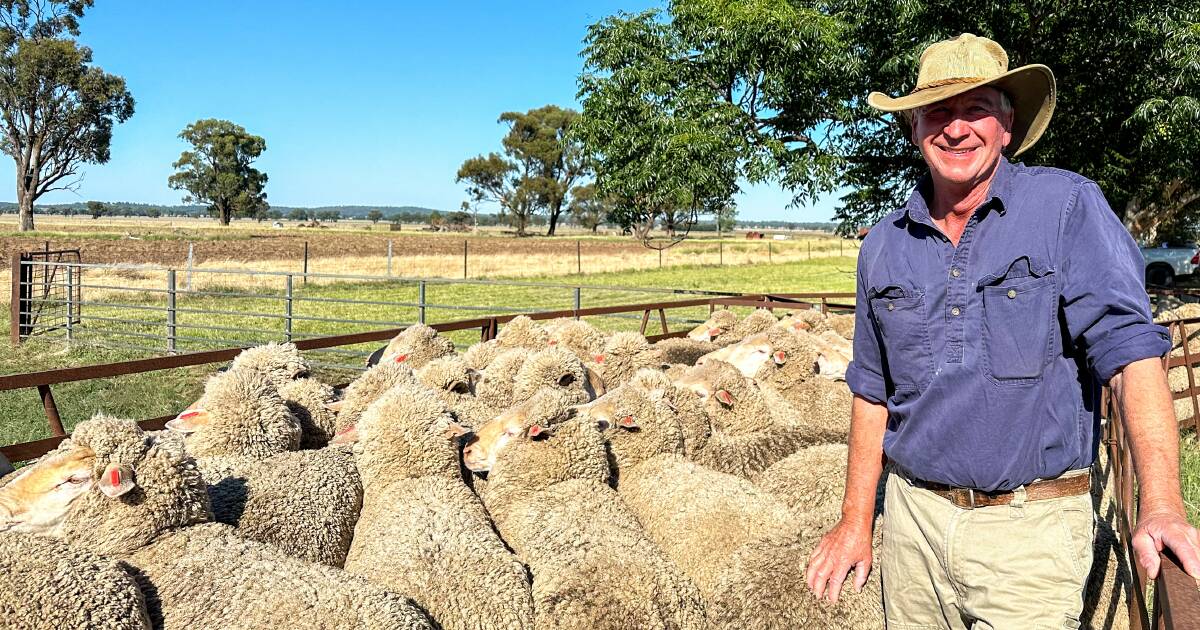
(1166, 529)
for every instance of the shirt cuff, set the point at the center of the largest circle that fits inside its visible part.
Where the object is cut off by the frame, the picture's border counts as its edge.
(1126, 346)
(866, 383)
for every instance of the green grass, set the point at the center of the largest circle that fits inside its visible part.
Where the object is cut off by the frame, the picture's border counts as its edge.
(1189, 475)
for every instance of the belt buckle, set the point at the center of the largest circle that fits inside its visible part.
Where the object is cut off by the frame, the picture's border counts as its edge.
(971, 497)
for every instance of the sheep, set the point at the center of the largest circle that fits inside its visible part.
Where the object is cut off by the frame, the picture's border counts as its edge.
(416, 345)
(242, 414)
(422, 531)
(554, 368)
(48, 584)
(279, 362)
(682, 351)
(593, 566)
(522, 332)
(752, 427)
(450, 378)
(494, 386)
(744, 550)
(624, 354)
(808, 319)
(304, 503)
(822, 405)
(843, 325)
(369, 386)
(144, 503)
(718, 323)
(759, 320)
(308, 399)
(579, 337)
(812, 481)
(479, 355)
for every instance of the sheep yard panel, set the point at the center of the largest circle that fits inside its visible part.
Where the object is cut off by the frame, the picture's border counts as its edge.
(1176, 600)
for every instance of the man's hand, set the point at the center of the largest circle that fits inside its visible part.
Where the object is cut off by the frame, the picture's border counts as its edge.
(1166, 528)
(846, 546)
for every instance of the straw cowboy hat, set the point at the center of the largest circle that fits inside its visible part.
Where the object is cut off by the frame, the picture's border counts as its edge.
(953, 66)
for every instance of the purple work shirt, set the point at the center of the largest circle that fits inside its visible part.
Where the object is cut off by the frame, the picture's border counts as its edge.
(990, 355)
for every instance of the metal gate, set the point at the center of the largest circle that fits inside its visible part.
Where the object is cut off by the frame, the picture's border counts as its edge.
(47, 291)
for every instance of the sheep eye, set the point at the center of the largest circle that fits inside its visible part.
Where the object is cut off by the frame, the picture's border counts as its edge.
(74, 481)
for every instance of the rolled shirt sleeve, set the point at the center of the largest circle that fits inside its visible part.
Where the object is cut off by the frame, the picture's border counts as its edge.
(865, 373)
(1104, 297)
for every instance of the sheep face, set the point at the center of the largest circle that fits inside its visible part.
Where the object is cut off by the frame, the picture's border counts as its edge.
(37, 500)
(747, 355)
(479, 455)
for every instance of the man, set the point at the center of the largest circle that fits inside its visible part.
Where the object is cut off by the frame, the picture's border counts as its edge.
(990, 310)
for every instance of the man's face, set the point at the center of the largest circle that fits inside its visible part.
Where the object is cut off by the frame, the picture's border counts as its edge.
(962, 136)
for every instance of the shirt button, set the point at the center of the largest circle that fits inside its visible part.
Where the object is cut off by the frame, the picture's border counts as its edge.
(1012, 293)
(891, 307)
(955, 272)
(955, 311)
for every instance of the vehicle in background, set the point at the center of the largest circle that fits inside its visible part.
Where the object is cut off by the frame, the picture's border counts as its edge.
(1168, 262)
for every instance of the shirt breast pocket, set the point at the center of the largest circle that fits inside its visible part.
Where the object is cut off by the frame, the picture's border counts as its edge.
(901, 317)
(1019, 307)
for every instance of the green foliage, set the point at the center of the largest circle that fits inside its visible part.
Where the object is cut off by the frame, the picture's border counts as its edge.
(217, 170)
(711, 91)
(588, 208)
(297, 214)
(374, 216)
(97, 209)
(328, 216)
(541, 162)
(58, 109)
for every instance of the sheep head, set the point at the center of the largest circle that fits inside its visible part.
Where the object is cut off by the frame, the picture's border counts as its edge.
(553, 368)
(448, 374)
(242, 414)
(416, 345)
(408, 432)
(109, 487)
(545, 408)
(719, 322)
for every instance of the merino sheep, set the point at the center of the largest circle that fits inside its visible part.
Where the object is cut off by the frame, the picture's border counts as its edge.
(242, 414)
(718, 323)
(809, 319)
(415, 346)
(494, 386)
(479, 355)
(48, 584)
(578, 337)
(422, 531)
(365, 389)
(145, 504)
(812, 481)
(843, 325)
(279, 362)
(554, 368)
(682, 351)
(450, 378)
(624, 354)
(304, 503)
(522, 332)
(743, 549)
(308, 399)
(752, 427)
(759, 320)
(593, 567)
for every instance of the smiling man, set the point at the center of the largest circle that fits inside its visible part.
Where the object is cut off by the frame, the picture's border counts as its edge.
(991, 309)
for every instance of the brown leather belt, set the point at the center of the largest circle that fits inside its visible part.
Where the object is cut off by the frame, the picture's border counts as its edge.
(968, 498)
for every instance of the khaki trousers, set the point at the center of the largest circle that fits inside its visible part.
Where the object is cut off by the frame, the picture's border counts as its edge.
(1020, 566)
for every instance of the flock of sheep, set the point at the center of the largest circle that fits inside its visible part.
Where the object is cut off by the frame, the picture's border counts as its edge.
(554, 477)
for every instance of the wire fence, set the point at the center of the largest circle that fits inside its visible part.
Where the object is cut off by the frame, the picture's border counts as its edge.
(148, 310)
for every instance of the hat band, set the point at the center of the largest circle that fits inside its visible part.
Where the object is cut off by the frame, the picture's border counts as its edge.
(950, 81)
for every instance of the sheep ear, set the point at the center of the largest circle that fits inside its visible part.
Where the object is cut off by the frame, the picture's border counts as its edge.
(566, 380)
(116, 480)
(473, 376)
(538, 430)
(780, 357)
(596, 381)
(713, 332)
(455, 430)
(335, 406)
(724, 397)
(627, 423)
(189, 421)
(348, 435)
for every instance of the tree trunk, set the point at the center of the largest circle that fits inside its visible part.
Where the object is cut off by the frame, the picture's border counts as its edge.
(555, 210)
(25, 209)
(223, 213)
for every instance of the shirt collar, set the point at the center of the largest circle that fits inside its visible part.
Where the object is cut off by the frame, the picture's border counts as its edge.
(1000, 195)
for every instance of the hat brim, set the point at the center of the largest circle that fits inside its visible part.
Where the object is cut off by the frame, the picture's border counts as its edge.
(1030, 89)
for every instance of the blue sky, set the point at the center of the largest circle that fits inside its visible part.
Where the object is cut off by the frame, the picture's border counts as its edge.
(371, 103)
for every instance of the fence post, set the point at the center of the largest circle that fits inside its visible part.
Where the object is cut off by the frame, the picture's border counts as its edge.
(578, 301)
(287, 309)
(464, 259)
(14, 299)
(770, 251)
(660, 251)
(70, 304)
(305, 262)
(721, 252)
(170, 311)
(190, 260)
(421, 302)
(389, 271)
(578, 258)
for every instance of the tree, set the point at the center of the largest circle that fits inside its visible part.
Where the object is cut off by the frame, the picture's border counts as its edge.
(58, 109)
(539, 138)
(154, 213)
(777, 88)
(274, 215)
(374, 216)
(97, 209)
(435, 219)
(588, 209)
(297, 214)
(541, 162)
(217, 170)
(329, 216)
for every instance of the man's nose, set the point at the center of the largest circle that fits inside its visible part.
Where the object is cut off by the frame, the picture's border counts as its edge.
(957, 128)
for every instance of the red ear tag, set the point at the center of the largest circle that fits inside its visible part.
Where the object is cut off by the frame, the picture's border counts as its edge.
(599, 358)
(348, 428)
(188, 414)
(780, 357)
(724, 397)
(115, 476)
(627, 421)
(535, 431)
(400, 358)
(553, 342)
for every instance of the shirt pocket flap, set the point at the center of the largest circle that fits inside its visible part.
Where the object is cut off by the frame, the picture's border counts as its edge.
(1020, 271)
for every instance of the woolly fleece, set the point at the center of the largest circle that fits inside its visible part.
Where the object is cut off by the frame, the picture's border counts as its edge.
(682, 351)
(624, 354)
(759, 320)
(368, 387)
(593, 567)
(306, 399)
(49, 584)
(418, 344)
(495, 384)
(247, 416)
(479, 355)
(522, 332)
(450, 378)
(422, 531)
(554, 368)
(304, 503)
(579, 338)
(279, 362)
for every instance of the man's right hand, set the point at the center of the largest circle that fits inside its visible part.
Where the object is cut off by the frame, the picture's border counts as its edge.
(847, 546)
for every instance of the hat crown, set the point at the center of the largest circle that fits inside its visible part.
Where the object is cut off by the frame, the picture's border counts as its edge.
(966, 58)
